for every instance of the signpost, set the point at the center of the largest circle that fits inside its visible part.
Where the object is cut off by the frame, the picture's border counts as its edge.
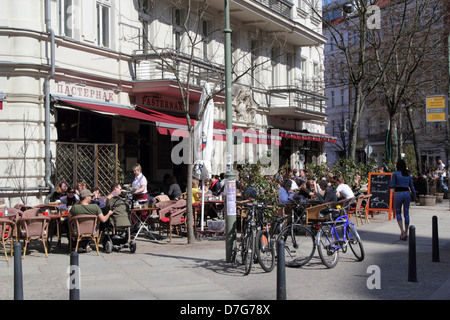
(436, 108)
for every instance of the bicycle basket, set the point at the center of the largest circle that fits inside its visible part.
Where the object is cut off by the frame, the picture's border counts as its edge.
(329, 214)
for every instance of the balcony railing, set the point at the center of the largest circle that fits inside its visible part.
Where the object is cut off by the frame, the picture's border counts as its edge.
(307, 97)
(282, 7)
(170, 64)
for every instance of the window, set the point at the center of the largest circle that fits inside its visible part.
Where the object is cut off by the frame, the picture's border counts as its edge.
(303, 72)
(205, 38)
(289, 68)
(254, 47)
(275, 59)
(103, 14)
(66, 19)
(144, 14)
(177, 28)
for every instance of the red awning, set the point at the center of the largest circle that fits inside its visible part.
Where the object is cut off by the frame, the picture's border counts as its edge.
(166, 124)
(307, 136)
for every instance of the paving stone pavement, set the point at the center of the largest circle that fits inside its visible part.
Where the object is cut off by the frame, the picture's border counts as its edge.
(181, 271)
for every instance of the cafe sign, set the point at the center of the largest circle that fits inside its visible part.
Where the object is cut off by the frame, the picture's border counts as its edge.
(436, 108)
(156, 101)
(81, 90)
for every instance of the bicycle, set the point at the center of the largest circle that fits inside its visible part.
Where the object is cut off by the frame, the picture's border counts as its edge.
(246, 249)
(299, 244)
(335, 236)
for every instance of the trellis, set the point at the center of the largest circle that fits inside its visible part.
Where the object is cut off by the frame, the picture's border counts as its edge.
(96, 164)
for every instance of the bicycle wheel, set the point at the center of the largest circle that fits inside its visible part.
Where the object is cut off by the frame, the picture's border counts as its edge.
(355, 242)
(327, 253)
(299, 245)
(249, 251)
(265, 251)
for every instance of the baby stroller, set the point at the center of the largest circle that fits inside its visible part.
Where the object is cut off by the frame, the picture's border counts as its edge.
(117, 233)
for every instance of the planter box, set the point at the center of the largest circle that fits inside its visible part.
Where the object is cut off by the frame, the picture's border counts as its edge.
(439, 197)
(427, 200)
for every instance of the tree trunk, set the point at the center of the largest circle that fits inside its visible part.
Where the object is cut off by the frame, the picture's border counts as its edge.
(416, 147)
(189, 211)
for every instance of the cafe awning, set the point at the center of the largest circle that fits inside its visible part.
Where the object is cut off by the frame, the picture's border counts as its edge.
(165, 123)
(307, 136)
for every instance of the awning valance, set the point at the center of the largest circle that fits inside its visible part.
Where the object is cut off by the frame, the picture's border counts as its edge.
(307, 136)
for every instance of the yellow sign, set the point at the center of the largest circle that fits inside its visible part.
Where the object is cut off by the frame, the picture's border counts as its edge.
(436, 108)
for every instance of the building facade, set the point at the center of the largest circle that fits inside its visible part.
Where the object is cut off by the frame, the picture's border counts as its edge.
(89, 88)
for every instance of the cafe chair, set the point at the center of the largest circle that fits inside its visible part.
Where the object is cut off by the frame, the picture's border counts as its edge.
(173, 217)
(6, 230)
(33, 228)
(84, 227)
(361, 208)
(164, 201)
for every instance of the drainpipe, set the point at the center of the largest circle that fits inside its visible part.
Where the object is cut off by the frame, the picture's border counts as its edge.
(48, 164)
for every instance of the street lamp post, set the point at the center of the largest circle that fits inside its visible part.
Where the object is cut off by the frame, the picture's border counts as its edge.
(229, 174)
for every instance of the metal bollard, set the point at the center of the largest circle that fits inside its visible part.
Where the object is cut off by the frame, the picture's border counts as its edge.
(18, 279)
(74, 277)
(281, 271)
(435, 241)
(412, 267)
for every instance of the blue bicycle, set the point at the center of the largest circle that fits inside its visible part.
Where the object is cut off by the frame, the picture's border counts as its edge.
(335, 236)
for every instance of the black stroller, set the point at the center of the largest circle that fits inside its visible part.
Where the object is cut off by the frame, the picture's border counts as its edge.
(117, 233)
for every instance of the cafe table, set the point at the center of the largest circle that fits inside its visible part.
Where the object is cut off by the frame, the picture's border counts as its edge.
(143, 222)
(56, 218)
(214, 203)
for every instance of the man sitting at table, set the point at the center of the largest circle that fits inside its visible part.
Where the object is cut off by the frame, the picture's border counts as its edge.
(85, 207)
(119, 206)
(330, 192)
(284, 196)
(343, 190)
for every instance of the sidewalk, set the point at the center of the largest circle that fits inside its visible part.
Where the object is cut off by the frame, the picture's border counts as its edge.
(199, 272)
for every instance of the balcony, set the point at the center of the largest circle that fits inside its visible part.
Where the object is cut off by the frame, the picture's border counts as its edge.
(160, 71)
(302, 103)
(282, 7)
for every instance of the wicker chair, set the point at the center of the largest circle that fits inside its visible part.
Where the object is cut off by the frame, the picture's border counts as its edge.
(6, 231)
(33, 228)
(84, 227)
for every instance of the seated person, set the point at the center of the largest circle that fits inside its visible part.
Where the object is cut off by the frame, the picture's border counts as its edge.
(329, 192)
(215, 186)
(196, 193)
(343, 190)
(206, 189)
(174, 191)
(69, 200)
(85, 207)
(120, 217)
(96, 198)
(284, 196)
(60, 191)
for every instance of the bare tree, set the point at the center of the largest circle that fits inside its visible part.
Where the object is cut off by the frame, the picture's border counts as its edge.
(411, 24)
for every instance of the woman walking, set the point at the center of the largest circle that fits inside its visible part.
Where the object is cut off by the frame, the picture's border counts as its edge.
(403, 188)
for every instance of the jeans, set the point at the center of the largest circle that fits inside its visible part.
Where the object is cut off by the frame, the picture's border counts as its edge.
(443, 184)
(402, 199)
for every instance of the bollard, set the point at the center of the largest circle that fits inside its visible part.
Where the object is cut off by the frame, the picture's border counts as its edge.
(412, 267)
(281, 271)
(18, 279)
(435, 241)
(74, 277)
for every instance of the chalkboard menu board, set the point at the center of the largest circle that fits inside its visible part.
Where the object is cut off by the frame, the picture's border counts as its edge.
(378, 186)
